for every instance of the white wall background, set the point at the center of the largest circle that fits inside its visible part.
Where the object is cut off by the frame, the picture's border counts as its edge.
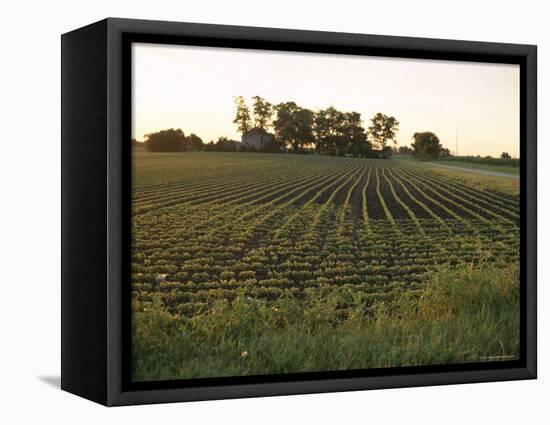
(30, 211)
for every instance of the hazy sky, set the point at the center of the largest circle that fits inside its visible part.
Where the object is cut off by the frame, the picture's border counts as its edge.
(192, 88)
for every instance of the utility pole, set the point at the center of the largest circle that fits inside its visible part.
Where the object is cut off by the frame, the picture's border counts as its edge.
(456, 143)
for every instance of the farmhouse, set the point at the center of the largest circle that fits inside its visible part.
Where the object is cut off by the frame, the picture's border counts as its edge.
(258, 139)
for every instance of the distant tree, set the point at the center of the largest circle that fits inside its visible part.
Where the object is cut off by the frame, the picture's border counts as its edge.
(293, 125)
(194, 142)
(242, 116)
(426, 145)
(505, 155)
(170, 140)
(283, 125)
(320, 130)
(263, 112)
(382, 129)
(341, 138)
(340, 133)
(354, 136)
(385, 153)
(335, 141)
(304, 128)
(404, 150)
(445, 153)
(226, 145)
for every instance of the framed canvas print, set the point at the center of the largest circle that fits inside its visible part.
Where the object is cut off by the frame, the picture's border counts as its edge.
(253, 212)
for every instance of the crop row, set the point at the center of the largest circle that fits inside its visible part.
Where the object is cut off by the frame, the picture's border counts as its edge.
(359, 224)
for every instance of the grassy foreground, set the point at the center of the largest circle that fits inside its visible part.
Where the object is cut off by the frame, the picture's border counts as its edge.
(505, 185)
(468, 314)
(514, 171)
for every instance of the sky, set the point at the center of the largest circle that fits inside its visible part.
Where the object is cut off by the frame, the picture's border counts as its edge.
(192, 88)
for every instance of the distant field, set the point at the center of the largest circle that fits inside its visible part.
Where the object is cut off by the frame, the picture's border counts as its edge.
(279, 231)
(476, 166)
(486, 164)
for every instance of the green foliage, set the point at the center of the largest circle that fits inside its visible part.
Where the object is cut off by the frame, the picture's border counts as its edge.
(263, 112)
(321, 129)
(426, 146)
(405, 150)
(486, 160)
(382, 129)
(293, 125)
(507, 186)
(340, 133)
(316, 233)
(468, 314)
(225, 145)
(193, 143)
(354, 136)
(171, 140)
(334, 122)
(242, 116)
(330, 131)
(385, 153)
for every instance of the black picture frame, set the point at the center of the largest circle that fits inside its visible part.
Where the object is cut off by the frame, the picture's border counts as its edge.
(96, 112)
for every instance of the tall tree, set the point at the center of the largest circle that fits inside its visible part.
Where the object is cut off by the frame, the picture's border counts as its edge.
(426, 145)
(321, 130)
(293, 125)
(336, 122)
(382, 129)
(242, 116)
(194, 142)
(355, 135)
(338, 133)
(263, 112)
(283, 123)
(304, 128)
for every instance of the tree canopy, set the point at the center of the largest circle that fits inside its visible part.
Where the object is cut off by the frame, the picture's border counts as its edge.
(193, 143)
(242, 116)
(354, 136)
(426, 145)
(293, 125)
(325, 131)
(382, 129)
(263, 112)
(404, 150)
(172, 140)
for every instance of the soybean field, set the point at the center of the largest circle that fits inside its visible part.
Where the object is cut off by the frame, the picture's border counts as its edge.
(210, 226)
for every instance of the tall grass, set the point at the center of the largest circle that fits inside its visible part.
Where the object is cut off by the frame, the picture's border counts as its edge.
(466, 314)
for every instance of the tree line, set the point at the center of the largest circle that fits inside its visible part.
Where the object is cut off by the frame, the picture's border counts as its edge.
(301, 130)
(171, 140)
(175, 140)
(326, 131)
